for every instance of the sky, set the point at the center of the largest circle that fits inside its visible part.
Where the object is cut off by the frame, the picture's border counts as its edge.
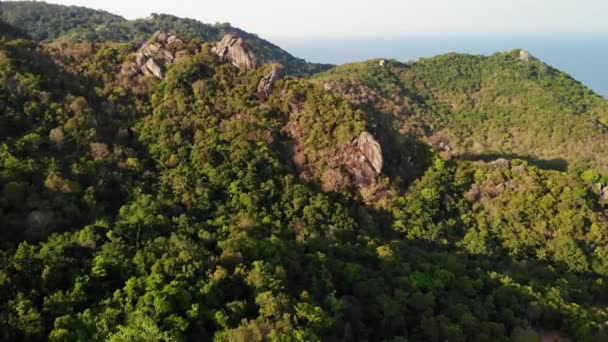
(323, 19)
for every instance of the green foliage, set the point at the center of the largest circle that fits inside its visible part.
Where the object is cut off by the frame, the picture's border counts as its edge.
(485, 106)
(45, 22)
(171, 210)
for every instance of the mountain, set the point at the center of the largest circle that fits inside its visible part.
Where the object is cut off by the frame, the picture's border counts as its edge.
(188, 189)
(45, 22)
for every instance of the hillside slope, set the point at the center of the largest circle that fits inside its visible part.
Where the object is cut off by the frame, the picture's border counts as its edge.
(486, 107)
(45, 22)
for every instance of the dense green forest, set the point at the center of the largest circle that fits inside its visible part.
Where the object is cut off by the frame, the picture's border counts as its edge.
(242, 204)
(480, 107)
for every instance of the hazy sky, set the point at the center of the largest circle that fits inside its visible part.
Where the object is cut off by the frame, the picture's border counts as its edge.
(357, 18)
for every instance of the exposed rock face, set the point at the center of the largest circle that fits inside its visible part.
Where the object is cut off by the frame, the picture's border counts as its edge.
(154, 55)
(267, 82)
(155, 68)
(381, 62)
(502, 163)
(524, 56)
(371, 150)
(362, 171)
(604, 193)
(327, 86)
(236, 50)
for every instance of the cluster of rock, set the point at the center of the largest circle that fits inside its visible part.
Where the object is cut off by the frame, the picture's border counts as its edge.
(153, 57)
(235, 49)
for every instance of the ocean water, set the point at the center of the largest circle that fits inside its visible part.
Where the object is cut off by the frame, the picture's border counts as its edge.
(584, 57)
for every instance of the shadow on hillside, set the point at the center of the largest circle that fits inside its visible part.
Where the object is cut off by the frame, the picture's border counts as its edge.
(557, 164)
(447, 273)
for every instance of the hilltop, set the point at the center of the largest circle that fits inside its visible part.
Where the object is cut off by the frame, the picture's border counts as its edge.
(45, 22)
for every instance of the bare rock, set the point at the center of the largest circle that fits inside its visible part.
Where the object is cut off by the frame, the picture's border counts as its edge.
(152, 57)
(150, 49)
(524, 56)
(140, 58)
(361, 170)
(161, 37)
(144, 70)
(267, 82)
(236, 50)
(444, 147)
(501, 163)
(327, 86)
(382, 62)
(155, 68)
(174, 42)
(371, 150)
(604, 193)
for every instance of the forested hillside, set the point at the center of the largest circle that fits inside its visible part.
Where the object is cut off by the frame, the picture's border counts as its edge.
(182, 190)
(506, 105)
(45, 22)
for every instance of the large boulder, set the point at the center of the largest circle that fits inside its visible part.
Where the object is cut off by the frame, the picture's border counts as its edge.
(236, 50)
(371, 150)
(362, 172)
(155, 68)
(267, 82)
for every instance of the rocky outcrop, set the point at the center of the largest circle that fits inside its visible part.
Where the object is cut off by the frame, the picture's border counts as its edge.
(236, 50)
(153, 57)
(524, 56)
(362, 171)
(267, 82)
(337, 167)
(502, 163)
(371, 150)
(363, 160)
(154, 68)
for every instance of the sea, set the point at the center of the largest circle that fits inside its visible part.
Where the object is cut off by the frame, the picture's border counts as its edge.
(584, 57)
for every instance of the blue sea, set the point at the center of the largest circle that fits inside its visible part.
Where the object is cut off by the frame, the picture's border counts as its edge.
(584, 57)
